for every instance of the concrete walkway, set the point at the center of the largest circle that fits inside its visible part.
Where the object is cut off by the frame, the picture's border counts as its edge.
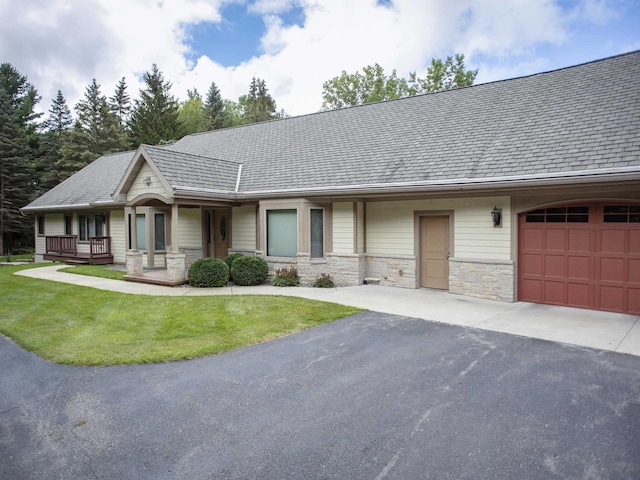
(602, 330)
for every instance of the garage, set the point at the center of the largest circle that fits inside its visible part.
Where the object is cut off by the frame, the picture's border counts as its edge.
(581, 255)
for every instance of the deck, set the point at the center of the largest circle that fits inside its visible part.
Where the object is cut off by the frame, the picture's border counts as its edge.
(155, 277)
(64, 248)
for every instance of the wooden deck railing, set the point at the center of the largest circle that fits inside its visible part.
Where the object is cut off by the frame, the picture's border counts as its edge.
(62, 245)
(67, 246)
(99, 246)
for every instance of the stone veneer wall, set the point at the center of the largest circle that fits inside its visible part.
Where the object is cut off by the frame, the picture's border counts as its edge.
(191, 255)
(491, 279)
(392, 270)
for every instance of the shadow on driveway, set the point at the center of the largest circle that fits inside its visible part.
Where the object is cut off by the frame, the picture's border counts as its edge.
(368, 397)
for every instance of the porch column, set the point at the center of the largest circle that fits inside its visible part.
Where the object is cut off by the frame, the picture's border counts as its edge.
(133, 256)
(175, 247)
(176, 261)
(133, 234)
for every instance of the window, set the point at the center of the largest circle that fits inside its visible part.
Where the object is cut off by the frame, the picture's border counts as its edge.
(282, 233)
(316, 218)
(559, 215)
(68, 224)
(159, 230)
(40, 224)
(141, 231)
(621, 214)
(90, 226)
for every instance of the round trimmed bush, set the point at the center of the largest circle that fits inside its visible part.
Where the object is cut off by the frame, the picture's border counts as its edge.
(208, 272)
(231, 258)
(247, 271)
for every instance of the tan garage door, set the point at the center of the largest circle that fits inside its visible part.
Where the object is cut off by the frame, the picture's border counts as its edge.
(585, 256)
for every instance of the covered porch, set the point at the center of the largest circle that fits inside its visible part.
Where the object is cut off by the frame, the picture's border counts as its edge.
(67, 249)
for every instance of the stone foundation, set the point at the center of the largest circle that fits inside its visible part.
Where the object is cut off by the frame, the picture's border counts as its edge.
(392, 270)
(191, 255)
(490, 279)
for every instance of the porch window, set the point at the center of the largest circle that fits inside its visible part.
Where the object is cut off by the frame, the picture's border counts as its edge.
(316, 217)
(141, 231)
(90, 226)
(68, 224)
(40, 225)
(159, 229)
(282, 233)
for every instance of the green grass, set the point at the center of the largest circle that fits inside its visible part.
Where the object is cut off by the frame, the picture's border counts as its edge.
(102, 271)
(84, 326)
(14, 257)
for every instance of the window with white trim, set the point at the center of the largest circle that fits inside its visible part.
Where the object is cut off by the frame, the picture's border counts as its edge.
(91, 226)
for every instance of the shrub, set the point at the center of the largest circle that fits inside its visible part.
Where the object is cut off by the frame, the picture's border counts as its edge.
(286, 277)
(231, 258)
(208, 272)
(324, 281)
(247, 271)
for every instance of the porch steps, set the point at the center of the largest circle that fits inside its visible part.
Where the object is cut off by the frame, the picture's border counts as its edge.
(154, 278)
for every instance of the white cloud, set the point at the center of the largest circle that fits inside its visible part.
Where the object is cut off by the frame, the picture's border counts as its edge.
(63, 44)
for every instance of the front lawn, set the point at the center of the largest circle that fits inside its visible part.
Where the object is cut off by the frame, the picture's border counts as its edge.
(84, 326)
(103, 271)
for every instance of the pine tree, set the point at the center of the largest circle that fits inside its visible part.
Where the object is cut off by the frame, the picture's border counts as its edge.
(19, 144)
(120, 103)
(56, 127)
(97, 131)
(214, 108)
(154, 118)
(259, 106)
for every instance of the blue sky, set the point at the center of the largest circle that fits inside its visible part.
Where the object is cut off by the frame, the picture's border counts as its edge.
(296, 45)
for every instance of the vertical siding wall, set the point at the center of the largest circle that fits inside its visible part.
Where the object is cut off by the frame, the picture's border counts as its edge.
(139, 188)
(390, 227)
(118, 237)
(243, 228)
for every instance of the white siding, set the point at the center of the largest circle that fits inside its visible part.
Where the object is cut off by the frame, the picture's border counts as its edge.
(190, 228)
(343, 227)
(243, 228)
(118, 237)
(390, 226)
(53, 225)
(139, 188)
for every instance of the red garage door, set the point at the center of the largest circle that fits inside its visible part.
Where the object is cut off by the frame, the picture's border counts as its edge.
(585, 256)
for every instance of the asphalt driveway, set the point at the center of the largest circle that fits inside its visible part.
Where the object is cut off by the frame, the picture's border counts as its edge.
(372, 396)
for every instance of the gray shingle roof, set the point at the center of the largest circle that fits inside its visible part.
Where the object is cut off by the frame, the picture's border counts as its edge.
(94, 183)
(582, 118)
(578, 118)
(199, 172)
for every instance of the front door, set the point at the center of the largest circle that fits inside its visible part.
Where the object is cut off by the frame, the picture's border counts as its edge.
(216, 227)
(434, 252)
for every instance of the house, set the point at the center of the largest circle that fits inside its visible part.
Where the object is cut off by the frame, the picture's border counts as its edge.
(524, 189)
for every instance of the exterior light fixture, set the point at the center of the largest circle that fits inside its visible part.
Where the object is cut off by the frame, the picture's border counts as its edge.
(146, 180)
(496, 216)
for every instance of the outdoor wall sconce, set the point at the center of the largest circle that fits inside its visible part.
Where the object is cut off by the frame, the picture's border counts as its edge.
(146, 180)
(496, 216)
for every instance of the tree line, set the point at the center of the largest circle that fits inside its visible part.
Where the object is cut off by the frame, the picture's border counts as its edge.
(38, 153)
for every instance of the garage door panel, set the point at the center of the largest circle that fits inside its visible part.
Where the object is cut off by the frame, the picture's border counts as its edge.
(634, 242)
(533, 240)
(532, 263)
(633, 301)
(531, 290)
(578, 295)
(555, 239)
(554, 266)
(580, 240)
(613, 241)
(612, 298)
(554, 292)
(634, 271)
(578, 267)
(612, 269)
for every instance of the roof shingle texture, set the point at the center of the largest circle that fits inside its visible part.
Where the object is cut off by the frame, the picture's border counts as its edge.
(575, 119)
